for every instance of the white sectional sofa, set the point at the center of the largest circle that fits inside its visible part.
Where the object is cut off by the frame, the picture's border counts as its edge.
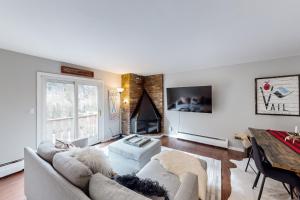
(44, 182)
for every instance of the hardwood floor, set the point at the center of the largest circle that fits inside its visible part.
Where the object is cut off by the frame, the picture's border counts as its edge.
(12, 187)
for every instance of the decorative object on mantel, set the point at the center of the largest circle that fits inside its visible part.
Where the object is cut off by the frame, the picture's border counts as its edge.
(278, 95)
(76, 71)
(282, 136)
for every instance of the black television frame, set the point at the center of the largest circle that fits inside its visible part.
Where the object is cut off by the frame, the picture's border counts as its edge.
(186, 110)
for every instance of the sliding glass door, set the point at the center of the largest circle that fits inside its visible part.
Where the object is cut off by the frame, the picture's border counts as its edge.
(69, 108)
(60, 112)
(88, 112)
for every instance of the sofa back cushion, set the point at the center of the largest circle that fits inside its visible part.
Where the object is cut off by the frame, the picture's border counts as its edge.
(103, 188)
(72, 169)
(47, 151)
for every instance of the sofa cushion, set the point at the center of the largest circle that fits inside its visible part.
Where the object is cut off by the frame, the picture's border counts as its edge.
(103, 188)
(47, 151)
(155, 171)
(188, 189)
(72, 169)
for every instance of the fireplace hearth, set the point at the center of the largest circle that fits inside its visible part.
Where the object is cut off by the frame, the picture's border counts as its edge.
(145, 118)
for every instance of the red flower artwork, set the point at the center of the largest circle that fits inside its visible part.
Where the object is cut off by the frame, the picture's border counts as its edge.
(267, 86)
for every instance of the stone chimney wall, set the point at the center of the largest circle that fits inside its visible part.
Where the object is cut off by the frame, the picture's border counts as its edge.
(134, 85)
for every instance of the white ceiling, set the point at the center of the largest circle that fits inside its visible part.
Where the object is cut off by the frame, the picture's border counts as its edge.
(151, 36)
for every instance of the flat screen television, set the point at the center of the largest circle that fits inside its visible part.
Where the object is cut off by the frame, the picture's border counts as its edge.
(190, 99)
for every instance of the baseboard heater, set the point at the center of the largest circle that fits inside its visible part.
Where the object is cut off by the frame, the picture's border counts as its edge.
(11, 167)
(203, 139)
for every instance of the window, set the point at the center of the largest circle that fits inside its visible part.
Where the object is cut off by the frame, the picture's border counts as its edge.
(69, 108)
(60, 110)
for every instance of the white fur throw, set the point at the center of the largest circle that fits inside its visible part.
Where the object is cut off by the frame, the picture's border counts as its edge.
(94, 159)
(180, 163)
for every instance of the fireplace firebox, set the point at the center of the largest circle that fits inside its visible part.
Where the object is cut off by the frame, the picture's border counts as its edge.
(145, 118)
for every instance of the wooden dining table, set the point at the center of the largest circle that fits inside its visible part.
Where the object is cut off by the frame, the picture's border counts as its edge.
(278, 154)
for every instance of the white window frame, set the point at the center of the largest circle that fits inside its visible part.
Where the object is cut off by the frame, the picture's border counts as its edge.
(42, 77)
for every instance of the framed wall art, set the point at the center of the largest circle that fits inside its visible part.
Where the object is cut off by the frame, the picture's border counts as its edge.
(114, 102)
(277, 95)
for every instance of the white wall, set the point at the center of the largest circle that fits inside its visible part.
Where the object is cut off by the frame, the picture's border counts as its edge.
(18, 95)
(233, 99)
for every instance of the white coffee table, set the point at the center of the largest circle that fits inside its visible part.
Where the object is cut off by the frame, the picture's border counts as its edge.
(131, 156)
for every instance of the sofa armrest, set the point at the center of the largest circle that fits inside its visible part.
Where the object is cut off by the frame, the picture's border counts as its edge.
(83, 142)
(188, 189)
(42, 181)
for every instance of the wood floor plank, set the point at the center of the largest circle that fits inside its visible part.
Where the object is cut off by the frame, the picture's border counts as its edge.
(12, 187)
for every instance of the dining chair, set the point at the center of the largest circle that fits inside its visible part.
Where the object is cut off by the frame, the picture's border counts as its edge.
(249, 158)
(248, 162)
(265, 168)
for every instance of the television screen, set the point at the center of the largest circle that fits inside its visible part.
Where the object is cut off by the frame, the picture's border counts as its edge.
(190, 99)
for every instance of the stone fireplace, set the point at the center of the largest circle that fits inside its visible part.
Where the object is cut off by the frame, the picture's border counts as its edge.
(138, 92)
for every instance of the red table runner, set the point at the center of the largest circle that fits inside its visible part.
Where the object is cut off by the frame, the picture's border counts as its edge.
(280, 135)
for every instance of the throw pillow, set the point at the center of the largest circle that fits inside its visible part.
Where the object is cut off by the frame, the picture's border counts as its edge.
(147, 187)
(46, 150)
(63, 145)
(95, 160)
